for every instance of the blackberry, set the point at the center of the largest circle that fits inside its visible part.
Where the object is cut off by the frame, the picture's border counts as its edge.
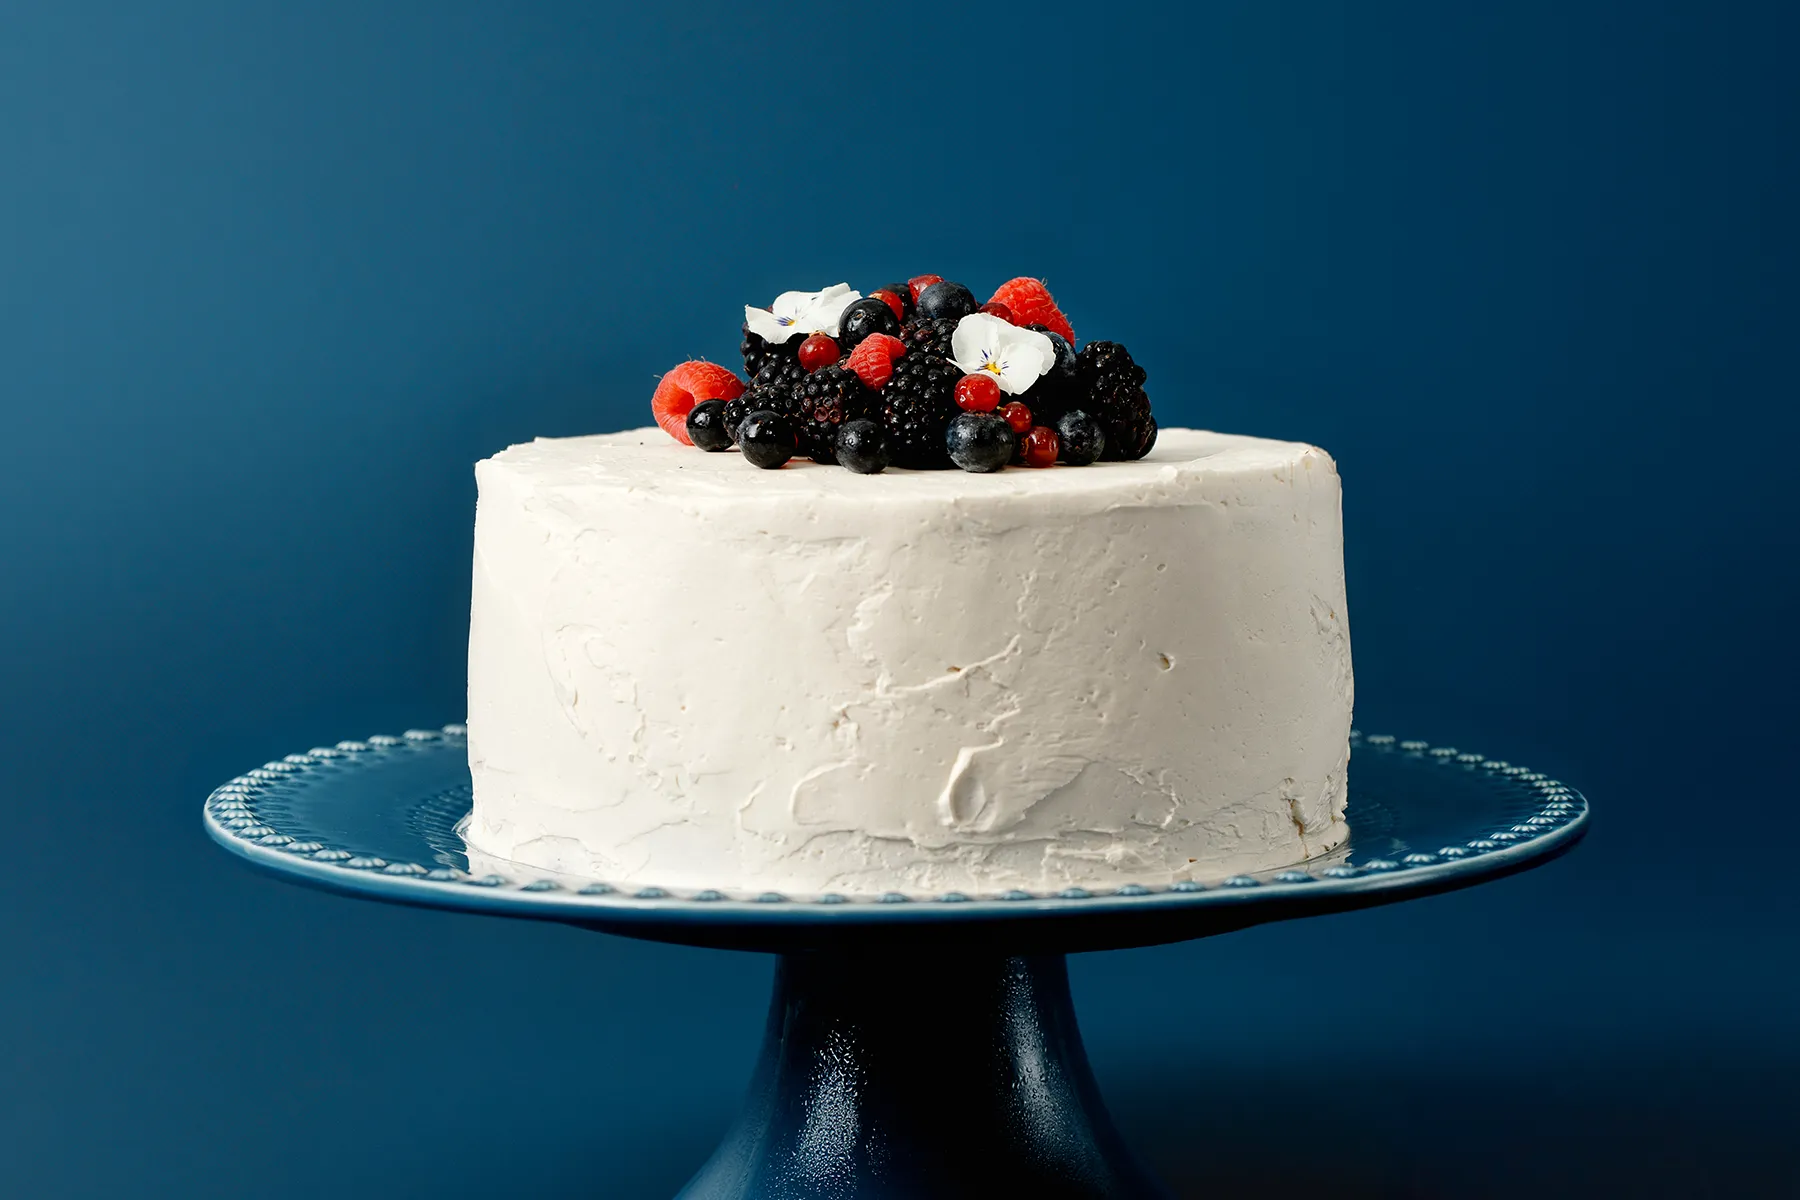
(1112, 390)
(758, 352)
(916, 407)
(925, 336)
(822, 402)
(772, 388)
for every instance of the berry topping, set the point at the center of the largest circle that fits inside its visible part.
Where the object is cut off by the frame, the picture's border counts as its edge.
(980, 442)
(819, 350)
(865, 317)
(1082, 439)
(766, 439)
(1040, 446)
(978, 393)
(865, 381)
(1031, 304)
(862, 446)
(706, 426)
(946, 299)
(686, 386)
(916, 407)
(1112, 389)
(873, 359)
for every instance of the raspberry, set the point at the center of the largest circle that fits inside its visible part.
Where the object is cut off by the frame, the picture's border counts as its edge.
(978, 393)
(819, 350)
(686, 386)
(1031, 304)
(873, 359)
(919, 283)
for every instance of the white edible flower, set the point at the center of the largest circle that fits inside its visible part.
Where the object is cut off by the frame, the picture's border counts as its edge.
(1014, 356)
(801, 312)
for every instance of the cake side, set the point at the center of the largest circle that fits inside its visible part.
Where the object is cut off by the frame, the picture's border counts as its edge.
(687, 675)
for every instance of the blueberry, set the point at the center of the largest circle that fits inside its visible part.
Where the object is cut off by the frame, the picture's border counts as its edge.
(1064, 367)
(862, 446)
(706, 425)
(946, 299)
(868, 315)
(1081, 437)
(980, 441)
(766, 439)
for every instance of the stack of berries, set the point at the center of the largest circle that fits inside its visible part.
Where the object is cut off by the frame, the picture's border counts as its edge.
(917, 375)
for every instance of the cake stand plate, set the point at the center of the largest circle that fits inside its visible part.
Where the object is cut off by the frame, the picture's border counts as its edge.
(915, 1046)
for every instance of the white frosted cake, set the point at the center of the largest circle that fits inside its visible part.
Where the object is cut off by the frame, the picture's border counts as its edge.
(688, 673)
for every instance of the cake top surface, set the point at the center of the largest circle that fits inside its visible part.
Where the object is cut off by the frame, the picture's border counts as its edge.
(647, 460)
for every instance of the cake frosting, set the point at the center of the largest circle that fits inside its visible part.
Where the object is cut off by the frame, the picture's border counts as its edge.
(689, 674)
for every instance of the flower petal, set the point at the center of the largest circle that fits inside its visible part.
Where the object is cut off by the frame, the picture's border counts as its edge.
(827, 308)
(1027, 359)
(768, 325)
(1016, 357)
(792, 304)
(974, 334)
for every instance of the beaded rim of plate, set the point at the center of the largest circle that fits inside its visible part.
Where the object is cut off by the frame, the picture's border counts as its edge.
(235, 814)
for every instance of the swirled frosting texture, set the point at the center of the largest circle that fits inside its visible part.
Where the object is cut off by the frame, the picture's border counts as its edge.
(685, 672)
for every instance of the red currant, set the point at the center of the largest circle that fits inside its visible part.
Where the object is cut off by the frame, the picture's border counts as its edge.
(978, 393)
(1018, 416)
(1040, 446)
(999, 310)
(919, 283)
(819, 350)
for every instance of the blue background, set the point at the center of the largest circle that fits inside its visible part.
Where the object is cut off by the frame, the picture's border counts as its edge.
(273, 276)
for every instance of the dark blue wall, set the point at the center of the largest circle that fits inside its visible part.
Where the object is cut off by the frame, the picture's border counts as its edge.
(273, 276)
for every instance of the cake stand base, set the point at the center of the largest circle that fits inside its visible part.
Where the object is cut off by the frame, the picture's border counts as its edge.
(917, 1047)
(922, 1076)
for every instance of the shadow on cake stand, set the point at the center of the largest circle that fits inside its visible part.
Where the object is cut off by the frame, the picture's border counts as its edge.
(914, 1047)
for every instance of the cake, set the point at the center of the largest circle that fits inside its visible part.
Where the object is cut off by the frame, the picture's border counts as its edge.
(688, 673)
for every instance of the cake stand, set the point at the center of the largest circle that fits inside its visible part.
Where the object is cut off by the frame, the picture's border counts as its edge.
(915, 1047)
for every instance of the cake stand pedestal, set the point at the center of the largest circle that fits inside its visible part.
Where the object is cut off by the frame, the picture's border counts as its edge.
(915, 1047)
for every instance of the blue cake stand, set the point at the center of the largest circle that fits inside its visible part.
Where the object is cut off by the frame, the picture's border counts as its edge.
(914, 1048)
